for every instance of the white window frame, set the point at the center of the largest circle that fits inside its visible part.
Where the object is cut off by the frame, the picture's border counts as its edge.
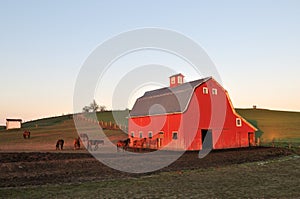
(179, 79)
(215, 91)
(172, 80)
(205, 90)
(141, 134)
(150, 134)
(132, 134)
(238, 122)
(173, 133)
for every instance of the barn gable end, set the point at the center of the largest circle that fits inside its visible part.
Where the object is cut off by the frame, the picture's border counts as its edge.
(183, 116)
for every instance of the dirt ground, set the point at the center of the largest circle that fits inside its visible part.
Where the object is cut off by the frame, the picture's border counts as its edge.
(33, 168)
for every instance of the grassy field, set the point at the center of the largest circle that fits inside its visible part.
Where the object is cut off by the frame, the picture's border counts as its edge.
(45, 133)
(278, 126)
(118, 116)
(278, 178)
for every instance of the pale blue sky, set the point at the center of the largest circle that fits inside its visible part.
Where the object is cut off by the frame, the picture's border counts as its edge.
(255, 46)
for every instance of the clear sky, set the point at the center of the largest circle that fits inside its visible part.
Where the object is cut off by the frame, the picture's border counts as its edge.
(255, 46)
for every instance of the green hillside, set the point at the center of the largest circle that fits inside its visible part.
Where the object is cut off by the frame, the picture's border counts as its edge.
(45, 132)
(118, 116)
(46, 121)
(274, 125)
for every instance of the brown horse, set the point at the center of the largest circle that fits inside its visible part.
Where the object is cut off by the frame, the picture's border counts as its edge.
(26, 134)
(123, 144)
(60, 144)
(139, 144)
(77, 143)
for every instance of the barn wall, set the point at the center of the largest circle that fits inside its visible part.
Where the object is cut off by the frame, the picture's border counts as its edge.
(209, 111)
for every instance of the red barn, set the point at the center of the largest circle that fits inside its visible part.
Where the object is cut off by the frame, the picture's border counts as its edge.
(189, 116)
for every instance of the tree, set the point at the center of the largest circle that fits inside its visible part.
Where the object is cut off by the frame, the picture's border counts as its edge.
(94, 107)
(102, 108)
(86, 109)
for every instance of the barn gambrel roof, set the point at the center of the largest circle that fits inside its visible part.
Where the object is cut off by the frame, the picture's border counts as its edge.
(166, 100)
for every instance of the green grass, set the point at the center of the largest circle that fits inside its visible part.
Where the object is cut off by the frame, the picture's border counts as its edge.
(46, 121)
(106, 116)
(118, 116)
(277, 178)
(280, 126)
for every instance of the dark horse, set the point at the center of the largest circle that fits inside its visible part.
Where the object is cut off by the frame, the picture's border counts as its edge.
(123, 144)
(60, 144)
(26, 134)
(77, 143)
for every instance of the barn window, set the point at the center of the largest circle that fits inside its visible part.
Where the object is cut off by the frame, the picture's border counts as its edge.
(132, 134)
(150, 134)
(238, 122)
(175, 136)
(214, 91)
(205, 90)
(179, 79)
(141, 134)
(172, 80)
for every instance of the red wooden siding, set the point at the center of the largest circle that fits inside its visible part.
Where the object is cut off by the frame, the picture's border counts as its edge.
(204, 111)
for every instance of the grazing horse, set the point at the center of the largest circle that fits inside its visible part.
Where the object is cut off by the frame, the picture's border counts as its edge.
(139, 144)
(60, 144)
(84, 136)
(85, 139)
(123, 144)
(94, 143)
(26, 134)
(77, 143)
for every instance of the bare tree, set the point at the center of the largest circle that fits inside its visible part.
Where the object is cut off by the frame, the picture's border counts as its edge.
(94, 107)
(86, 109)
(102, 108)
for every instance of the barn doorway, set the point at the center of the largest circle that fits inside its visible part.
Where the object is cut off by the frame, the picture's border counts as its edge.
(206, 138)
(250, 139)
(159, 142)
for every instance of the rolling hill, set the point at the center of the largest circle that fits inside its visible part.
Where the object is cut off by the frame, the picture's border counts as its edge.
(274, 125)
(280, 126)
(45, 132)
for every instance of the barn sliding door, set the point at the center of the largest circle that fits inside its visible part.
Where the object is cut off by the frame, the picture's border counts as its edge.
(207, 140)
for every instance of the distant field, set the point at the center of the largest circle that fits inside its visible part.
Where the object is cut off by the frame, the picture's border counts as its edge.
(280, 126)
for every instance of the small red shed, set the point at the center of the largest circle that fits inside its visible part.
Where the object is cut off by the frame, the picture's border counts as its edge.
(189, 116)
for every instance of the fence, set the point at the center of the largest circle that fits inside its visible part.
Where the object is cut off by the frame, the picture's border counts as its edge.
(108, 125)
